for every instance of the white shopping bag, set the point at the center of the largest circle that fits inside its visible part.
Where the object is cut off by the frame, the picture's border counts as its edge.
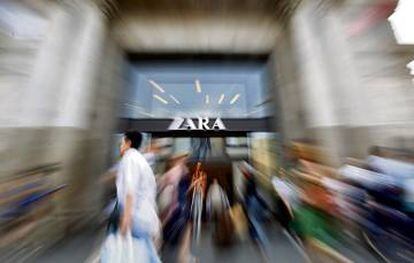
(124, 249)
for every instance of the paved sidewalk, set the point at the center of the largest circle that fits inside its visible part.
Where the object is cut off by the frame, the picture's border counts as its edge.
(75, 249)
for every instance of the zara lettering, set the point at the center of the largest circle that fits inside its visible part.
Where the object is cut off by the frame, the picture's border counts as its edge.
(204, 123)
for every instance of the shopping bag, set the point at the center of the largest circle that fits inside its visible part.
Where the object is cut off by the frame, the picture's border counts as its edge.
(111, 250)
(239, 221)
(224, 228)
(124, 249)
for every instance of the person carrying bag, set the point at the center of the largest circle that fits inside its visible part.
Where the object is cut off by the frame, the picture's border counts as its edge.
(134, 223)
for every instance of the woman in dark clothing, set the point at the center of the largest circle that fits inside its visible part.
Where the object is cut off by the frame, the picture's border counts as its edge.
(176, 224)
(255, 207)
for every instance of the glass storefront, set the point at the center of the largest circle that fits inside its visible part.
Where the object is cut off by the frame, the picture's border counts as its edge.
(166, 89)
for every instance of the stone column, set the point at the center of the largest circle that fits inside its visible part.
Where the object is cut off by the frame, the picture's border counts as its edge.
(286, 89)
(61, 102)
(324, 76)
(79, 143)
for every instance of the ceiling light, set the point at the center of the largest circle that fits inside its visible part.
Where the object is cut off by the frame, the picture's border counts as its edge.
(146, 114)
(198, 86)
(207, 99)
(155, 85)
(131, 105)
(235, 98)
(160, 99)
(174, 99)
(221, 99)
(401, 22)
(410, 66)
(255, 111)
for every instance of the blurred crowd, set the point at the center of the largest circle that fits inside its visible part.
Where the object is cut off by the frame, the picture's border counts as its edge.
(331, 70)
(25, 204)
(332, 214)
(367, 201)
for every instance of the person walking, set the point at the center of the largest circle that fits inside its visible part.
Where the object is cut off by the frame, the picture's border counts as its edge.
(136, 195)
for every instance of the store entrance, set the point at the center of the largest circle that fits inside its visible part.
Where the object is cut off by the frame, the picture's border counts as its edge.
(206, 186)
(203, 119)
(216, 157)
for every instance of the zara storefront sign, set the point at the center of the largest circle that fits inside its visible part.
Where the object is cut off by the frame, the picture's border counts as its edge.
(200, 124)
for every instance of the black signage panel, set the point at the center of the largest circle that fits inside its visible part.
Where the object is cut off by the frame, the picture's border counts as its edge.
(167, 127)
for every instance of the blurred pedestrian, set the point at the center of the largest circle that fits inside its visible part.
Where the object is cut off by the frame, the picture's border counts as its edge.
(168, 186)
(218, 210)
(256, 208)
(136, 194)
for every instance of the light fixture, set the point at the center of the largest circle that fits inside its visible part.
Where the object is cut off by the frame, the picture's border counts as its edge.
(235, 98)
(198, 86)
(131, 105)
(155, 85)
(207, 99)
(410, 66)
(221, 99)
(401, 22)
(255, 111)
(146, 114)
(174, 99)
(160, 99)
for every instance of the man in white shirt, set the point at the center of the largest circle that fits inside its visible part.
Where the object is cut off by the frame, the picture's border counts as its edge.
(136, 193)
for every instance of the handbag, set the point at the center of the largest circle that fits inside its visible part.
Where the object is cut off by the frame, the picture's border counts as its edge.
(114, 217)
(239, 221)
